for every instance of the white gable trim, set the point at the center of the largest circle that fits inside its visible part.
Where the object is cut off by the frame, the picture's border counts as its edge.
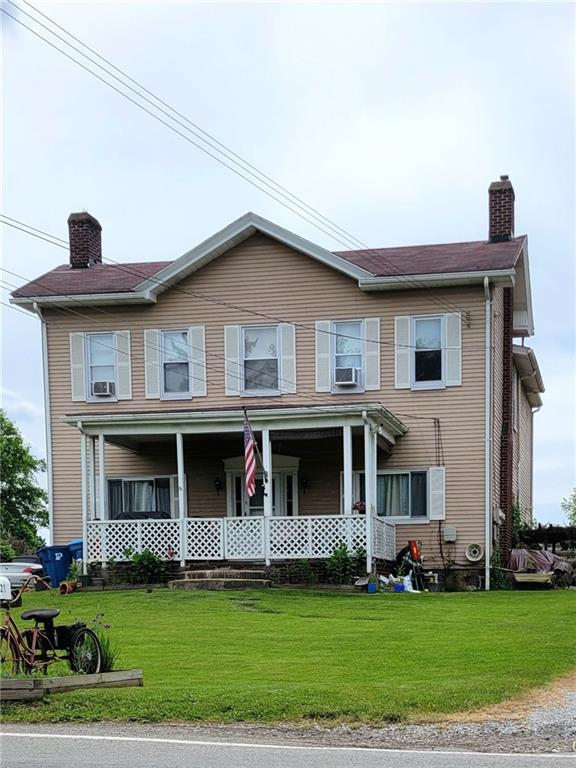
(236, 233)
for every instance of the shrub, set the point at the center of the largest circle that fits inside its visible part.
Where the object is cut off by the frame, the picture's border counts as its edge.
(343, 565)
(110, 651)
(146, 568)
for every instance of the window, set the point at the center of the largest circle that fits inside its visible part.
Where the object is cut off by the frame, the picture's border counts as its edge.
(260, 359)
(140, 499)
(399, 494)
(428, 363)
(175, 364)
(348, 354)
(101, 365)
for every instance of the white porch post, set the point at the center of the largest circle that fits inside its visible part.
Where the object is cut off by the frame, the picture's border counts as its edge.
(92, 478)
(347, 467)
(267, 461)
(181, 499)
(370, 483)
(102, 477)
(84, 474)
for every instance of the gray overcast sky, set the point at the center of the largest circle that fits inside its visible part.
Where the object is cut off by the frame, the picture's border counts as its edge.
(392, 119)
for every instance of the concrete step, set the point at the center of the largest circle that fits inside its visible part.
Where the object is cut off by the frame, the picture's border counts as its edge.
(224, 573)
(219, 584)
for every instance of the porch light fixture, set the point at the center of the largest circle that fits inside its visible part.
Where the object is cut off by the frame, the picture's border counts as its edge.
(304, 484)
(218, 485)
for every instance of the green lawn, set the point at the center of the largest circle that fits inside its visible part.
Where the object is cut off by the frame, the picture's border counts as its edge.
(293, 655)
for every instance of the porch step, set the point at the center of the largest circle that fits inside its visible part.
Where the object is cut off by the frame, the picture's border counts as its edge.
(225, 573)
(219, 584)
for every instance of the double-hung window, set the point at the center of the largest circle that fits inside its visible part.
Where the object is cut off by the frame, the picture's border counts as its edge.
(175, 377)
(428, 362)
(101, 365)
(348, 355)
(260, 360)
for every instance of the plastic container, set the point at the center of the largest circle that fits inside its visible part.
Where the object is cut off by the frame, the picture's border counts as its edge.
(56, 561)
(371, 588)
(76, 546)
(399, 588)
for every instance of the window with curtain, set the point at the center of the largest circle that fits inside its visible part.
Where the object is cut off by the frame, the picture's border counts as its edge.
(402, 494)
(139, 499)
(175, 364)
(260, 358)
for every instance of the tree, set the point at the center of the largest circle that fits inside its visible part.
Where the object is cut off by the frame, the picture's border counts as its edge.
(22, 501)
(569, 507)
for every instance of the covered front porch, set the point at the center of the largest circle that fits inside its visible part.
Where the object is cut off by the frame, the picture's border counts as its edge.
(173, 483)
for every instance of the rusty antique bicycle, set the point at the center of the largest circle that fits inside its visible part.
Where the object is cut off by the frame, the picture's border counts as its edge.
(35, 649)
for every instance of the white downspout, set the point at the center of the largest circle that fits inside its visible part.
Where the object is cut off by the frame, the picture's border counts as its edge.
(487, 433)
(47, 421)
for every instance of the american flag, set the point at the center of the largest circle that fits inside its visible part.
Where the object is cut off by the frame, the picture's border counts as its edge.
(249, 459)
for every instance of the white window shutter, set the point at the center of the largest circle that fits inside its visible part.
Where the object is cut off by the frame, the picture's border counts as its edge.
(323, 347)
(288, 352)
(437, 493)
(402, 352)
(372, 353)
(453, 349)
(123, 365)
(233, 370)
(197, 344)
(152, 366)
(78, 366)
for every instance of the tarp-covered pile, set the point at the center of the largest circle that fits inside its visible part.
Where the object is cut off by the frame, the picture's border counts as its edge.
(542, 561)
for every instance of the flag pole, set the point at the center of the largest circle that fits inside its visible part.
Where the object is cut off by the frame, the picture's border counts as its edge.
(264, 472)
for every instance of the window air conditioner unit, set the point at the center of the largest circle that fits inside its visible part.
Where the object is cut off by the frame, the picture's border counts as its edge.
(346, 377)
(103, 388)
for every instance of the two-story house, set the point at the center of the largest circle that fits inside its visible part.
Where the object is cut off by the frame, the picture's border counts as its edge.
(386, 376)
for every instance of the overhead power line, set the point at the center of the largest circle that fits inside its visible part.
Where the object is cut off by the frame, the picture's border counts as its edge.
(306, 210)
(195, 294)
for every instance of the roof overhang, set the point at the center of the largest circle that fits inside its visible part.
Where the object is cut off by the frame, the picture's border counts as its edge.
(407, 282)
(523, 320)
(529, 373)
(86, 299)
(215, 421)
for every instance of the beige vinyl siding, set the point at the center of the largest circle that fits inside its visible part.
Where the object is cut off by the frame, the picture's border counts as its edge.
(292, 287)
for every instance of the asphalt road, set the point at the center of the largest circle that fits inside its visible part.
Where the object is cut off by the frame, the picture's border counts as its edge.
(24, 747)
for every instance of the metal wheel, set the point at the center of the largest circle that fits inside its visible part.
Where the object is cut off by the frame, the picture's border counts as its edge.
(85, 652)
(10, 660)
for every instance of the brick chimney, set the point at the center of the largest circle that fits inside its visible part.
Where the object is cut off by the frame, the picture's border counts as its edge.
(501, 210)
(85, 240)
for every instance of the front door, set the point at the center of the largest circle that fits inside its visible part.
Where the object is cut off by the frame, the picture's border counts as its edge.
(283, 496)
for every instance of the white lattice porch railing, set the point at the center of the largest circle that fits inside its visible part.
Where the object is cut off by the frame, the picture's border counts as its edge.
(383, 539)
(238, 538)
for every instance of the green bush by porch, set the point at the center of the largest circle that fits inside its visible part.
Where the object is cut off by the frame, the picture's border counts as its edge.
(291, 655)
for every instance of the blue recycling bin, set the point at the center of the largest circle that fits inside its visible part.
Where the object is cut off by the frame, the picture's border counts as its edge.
(56, 561)
(75, 546)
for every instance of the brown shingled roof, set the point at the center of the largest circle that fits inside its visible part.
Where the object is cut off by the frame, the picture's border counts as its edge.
(408, 260)
(100, 278)
(434, 259)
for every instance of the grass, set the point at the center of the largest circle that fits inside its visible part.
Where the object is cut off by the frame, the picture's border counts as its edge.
(297, 655)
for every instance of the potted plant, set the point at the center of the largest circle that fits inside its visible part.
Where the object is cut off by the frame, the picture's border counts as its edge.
(372, 585)
(359, 507)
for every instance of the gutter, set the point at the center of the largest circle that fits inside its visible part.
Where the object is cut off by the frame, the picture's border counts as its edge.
(487, 432)
(47, 421)
(398, 282)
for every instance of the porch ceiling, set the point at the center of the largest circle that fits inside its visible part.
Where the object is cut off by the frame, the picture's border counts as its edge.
(141, 427)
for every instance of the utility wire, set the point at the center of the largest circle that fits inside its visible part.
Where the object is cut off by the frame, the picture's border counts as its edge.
(407, 282)
(179, 288)
(327, 409)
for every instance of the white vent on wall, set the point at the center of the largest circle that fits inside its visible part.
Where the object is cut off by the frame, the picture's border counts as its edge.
(346, 377)
(103, 388)
(474, 552)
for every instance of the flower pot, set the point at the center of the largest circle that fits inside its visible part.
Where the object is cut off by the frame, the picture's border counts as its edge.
(371, 588)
